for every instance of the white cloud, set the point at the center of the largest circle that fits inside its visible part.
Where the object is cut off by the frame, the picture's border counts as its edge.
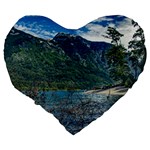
(103, 19)
(48, 34)
(95, 32)
(20, 27)
(35, 30)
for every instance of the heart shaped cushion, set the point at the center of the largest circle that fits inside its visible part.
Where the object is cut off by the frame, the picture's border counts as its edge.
(76, 75)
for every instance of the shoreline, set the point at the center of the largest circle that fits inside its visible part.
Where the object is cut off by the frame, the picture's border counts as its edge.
(119, 90)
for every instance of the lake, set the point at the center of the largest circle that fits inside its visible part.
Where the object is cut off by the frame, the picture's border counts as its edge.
(75, 109)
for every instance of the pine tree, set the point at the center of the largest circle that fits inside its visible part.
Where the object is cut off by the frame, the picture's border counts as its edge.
(114, 35)
(116, 57)
(138, 50)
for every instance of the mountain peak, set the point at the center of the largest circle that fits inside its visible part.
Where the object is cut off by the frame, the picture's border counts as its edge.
(63, 35)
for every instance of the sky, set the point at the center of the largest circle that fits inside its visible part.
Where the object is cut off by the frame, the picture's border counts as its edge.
(45, 28)
(95, 30)
(39, 26)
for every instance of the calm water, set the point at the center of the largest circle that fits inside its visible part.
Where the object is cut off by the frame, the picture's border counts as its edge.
(52, 98)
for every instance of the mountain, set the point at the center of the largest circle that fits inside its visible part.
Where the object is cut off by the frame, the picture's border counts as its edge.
(74, 45)
(65, 62)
